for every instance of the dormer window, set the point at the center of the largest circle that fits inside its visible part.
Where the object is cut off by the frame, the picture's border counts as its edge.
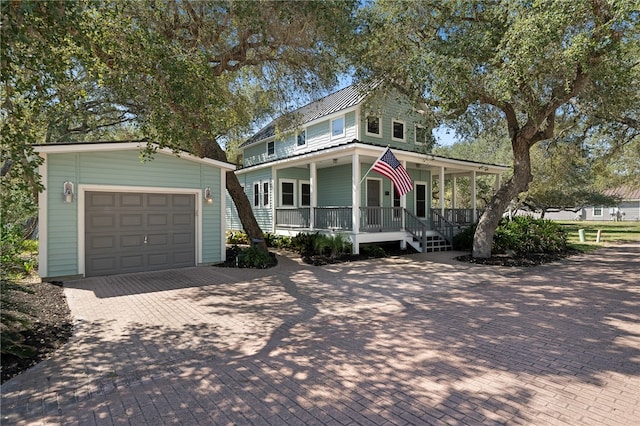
(271, 148)
(373, 126)
(337, 127)
(397, 130)
(302, 138)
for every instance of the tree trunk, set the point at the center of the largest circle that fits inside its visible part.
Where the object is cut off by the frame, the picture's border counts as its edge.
(483, 238)
(211, 149)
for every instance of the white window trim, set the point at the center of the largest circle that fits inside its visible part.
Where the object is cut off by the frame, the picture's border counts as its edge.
(404, 130)
(593, 211)
(344, 127)
(417, 126)
(300, 183)
(426, 198)
(274, 148)
(366, 126)
(298, 146)
(295, 198)
(268, 204)
(256, 193)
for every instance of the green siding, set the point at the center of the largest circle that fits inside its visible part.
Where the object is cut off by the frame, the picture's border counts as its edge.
(121, 168)
(263, 215)
(334, 186)
(62, 218)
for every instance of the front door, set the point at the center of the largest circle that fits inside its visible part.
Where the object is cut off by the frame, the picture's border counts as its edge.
(374, 199)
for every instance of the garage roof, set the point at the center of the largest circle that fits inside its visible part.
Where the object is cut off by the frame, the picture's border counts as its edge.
(122, 146)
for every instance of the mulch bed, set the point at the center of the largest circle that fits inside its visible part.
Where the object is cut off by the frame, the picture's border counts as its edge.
(51, 325)
(531, 259)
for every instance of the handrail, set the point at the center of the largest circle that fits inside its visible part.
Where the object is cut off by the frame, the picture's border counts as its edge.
(442, 225)
(413, 224)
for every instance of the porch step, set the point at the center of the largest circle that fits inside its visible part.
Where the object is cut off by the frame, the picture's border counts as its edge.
(433, 243)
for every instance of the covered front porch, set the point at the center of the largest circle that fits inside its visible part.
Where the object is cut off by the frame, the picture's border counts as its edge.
(378, 224)
(334, 191)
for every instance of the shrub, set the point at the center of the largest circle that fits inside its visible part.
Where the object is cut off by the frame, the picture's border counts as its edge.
(373, 251)
(253, 257)
(522, 235)
(237, 237)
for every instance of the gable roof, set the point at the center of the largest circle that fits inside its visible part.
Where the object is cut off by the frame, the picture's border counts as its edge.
(624, 192)
(57, 148)
(345, 98)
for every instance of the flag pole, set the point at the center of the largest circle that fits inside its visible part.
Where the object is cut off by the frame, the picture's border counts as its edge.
(374, 163)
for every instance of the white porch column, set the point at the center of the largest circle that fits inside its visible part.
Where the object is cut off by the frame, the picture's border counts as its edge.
(441, 185)
(403, 204)
(453, 191)
(497, 183)
(355, 200)
(473, 194)
(313, 179)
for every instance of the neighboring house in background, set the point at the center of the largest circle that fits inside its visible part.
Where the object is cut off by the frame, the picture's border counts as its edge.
(307, 172)
(627, 209)
(104, 212)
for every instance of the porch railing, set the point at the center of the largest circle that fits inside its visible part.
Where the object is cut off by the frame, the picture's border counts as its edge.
(380, 219)
(293, 218)
(416, 227)
(333, 218)
(461, 216)
(442, 225)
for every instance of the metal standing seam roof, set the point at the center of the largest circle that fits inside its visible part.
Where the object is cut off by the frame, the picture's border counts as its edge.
(625, 192)
(347, 97)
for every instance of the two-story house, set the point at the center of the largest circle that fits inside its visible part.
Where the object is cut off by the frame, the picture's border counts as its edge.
(309, 171)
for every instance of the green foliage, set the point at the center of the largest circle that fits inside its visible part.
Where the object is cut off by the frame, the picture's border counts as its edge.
(520, 236)
(464, 240)
(237, 237)
(253, 257)
(373, 250)
(278, 241)
(317, 244)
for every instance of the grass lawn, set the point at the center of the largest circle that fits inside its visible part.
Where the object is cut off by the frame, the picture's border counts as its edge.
(612, 232)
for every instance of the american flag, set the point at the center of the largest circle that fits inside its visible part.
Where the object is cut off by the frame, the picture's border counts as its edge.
(389, 166)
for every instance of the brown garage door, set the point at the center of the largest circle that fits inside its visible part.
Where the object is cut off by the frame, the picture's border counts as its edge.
(132, 232)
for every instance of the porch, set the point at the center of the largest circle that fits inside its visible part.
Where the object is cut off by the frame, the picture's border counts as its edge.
(379, 224)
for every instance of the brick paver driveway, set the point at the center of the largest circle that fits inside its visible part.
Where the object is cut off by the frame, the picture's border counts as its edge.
(414, 340)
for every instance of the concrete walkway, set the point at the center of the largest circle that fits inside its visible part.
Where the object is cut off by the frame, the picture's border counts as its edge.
(421, 339)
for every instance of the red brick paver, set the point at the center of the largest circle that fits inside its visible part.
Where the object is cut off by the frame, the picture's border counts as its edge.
(420, 339)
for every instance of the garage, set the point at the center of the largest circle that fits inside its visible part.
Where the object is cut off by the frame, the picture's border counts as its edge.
(106, 209)
(132, 232)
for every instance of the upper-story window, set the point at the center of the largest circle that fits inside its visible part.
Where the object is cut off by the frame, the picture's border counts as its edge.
(271, 148)
(302, 137)
(337, 127)
(422, 134)
(397, 130)
(373, 126)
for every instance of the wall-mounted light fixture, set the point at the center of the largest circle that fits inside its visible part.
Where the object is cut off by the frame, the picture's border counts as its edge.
(67, 192)
(207, 195)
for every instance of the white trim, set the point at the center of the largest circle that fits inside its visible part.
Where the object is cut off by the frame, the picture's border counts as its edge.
(404, 130)
(344, 127)
(300, 183)
(426, 198)
(593, 211)
(298, 133)
(269, 197)
(82, 188)
(267, 148)
(380, 192)
(43, 220)
(366, 126)
(125, 146)
(223, 215)
(417, 126)
(295, 198)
